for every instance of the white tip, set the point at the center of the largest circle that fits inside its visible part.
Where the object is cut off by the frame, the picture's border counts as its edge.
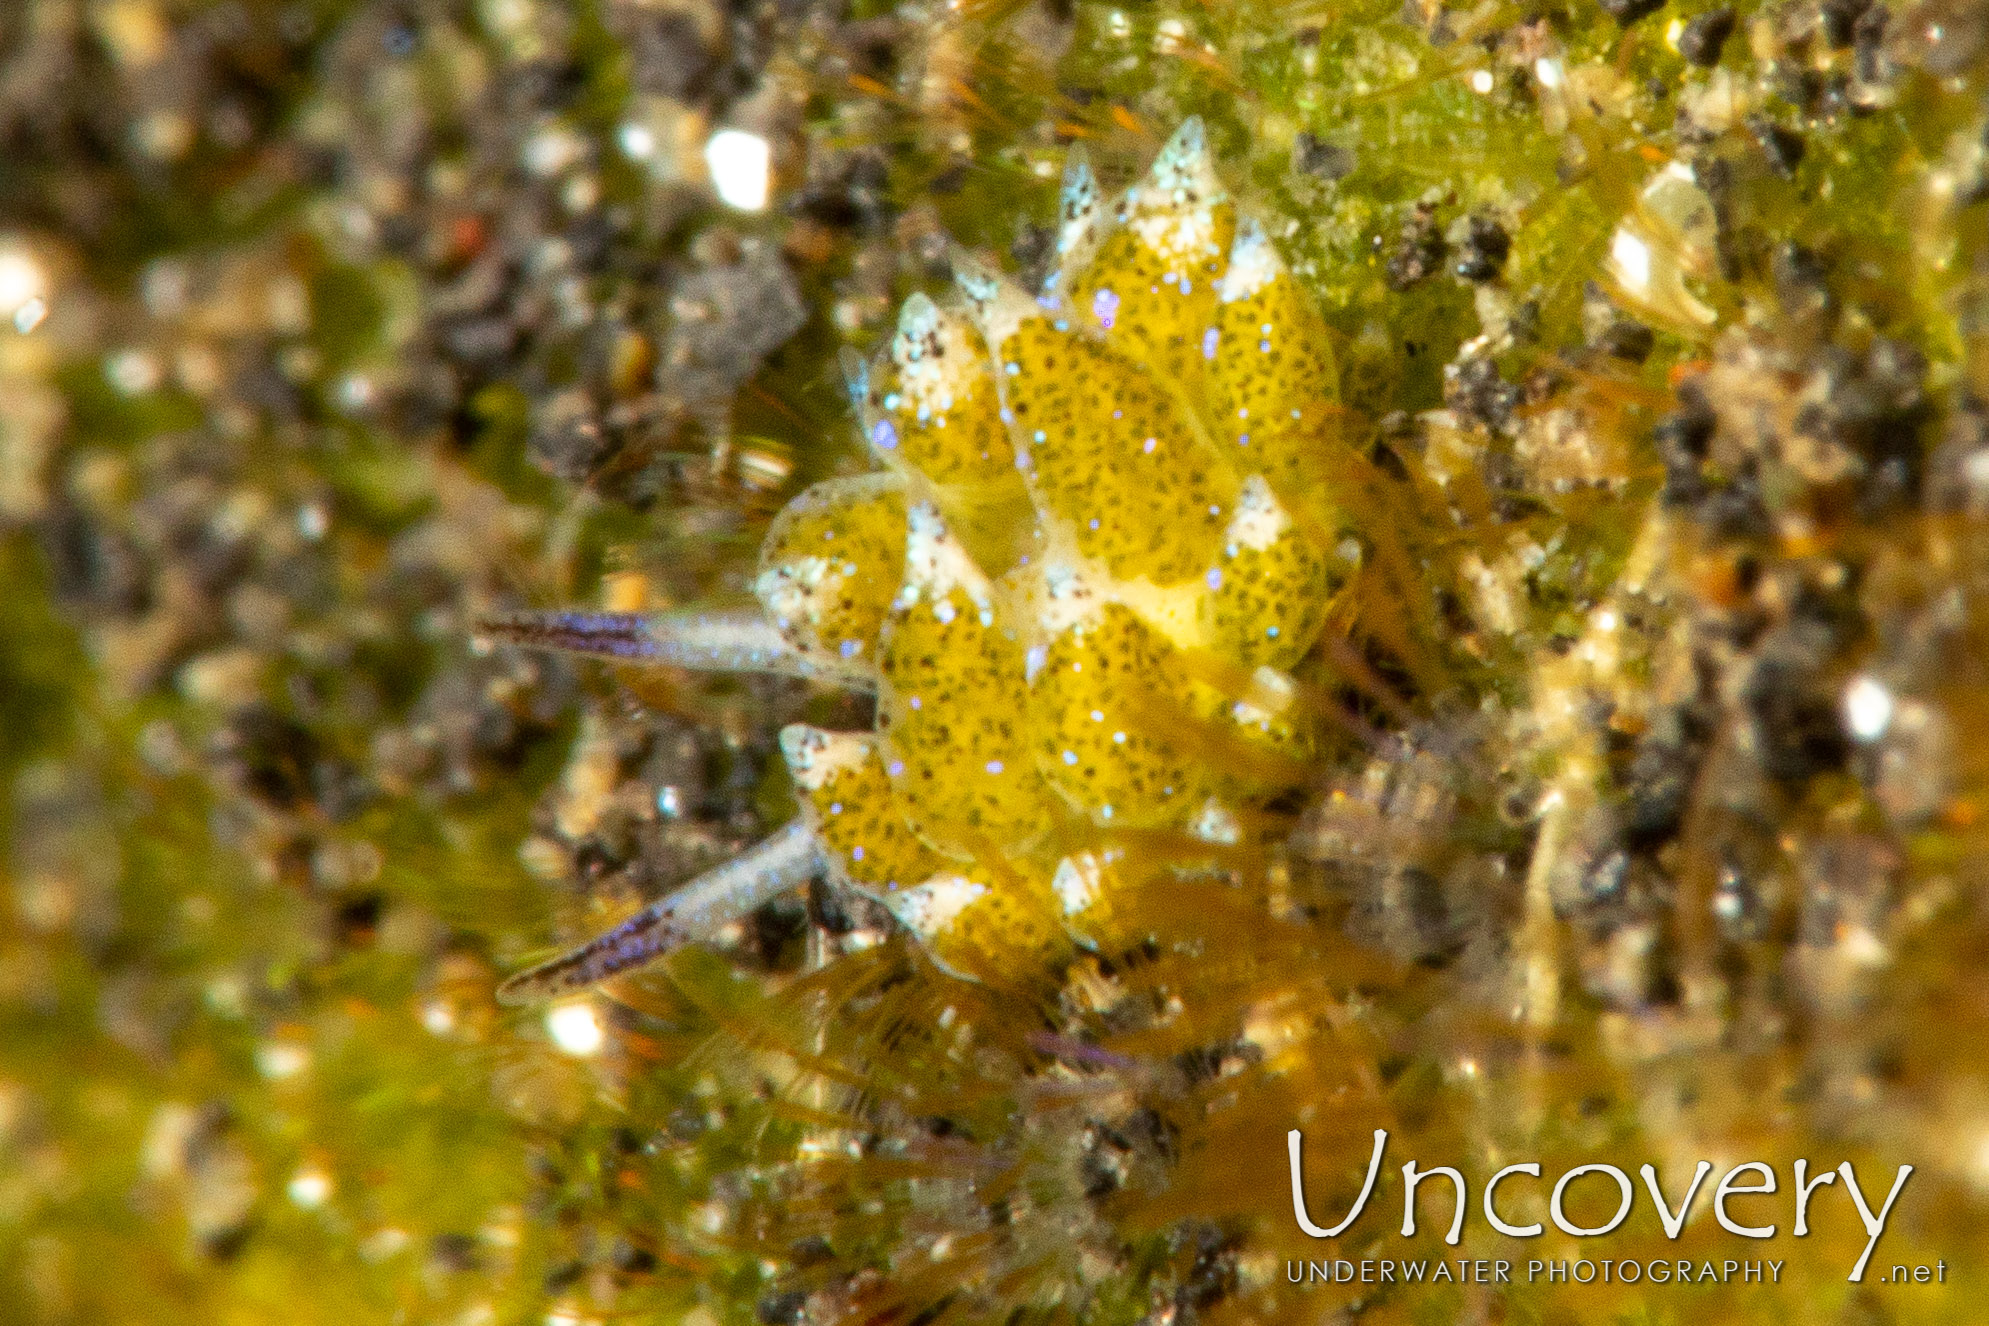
(937, 357)
(1173, 209)
(919, 317)
(1215, 824)
(921, 327)
(1259, 521)
(930, 909)
(996, 303)
(1079, 204)
(1184, 172)
(1253, 262)
(1076, 883)
(791, 591)
(1080, 218)
(936, 564)
(1069, 598)
(814, 755)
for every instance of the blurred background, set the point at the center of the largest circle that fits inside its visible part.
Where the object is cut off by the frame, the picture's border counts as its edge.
(329, 327)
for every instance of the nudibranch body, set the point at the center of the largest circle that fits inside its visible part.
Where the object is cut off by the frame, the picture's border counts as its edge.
(1095, 541)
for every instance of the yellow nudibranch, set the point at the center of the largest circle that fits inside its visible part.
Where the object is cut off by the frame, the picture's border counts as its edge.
(1096, 539)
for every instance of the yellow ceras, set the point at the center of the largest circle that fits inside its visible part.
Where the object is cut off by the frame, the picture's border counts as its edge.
(1096, 539)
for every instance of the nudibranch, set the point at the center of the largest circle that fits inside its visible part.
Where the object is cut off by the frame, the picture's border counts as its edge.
(1095, 542)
